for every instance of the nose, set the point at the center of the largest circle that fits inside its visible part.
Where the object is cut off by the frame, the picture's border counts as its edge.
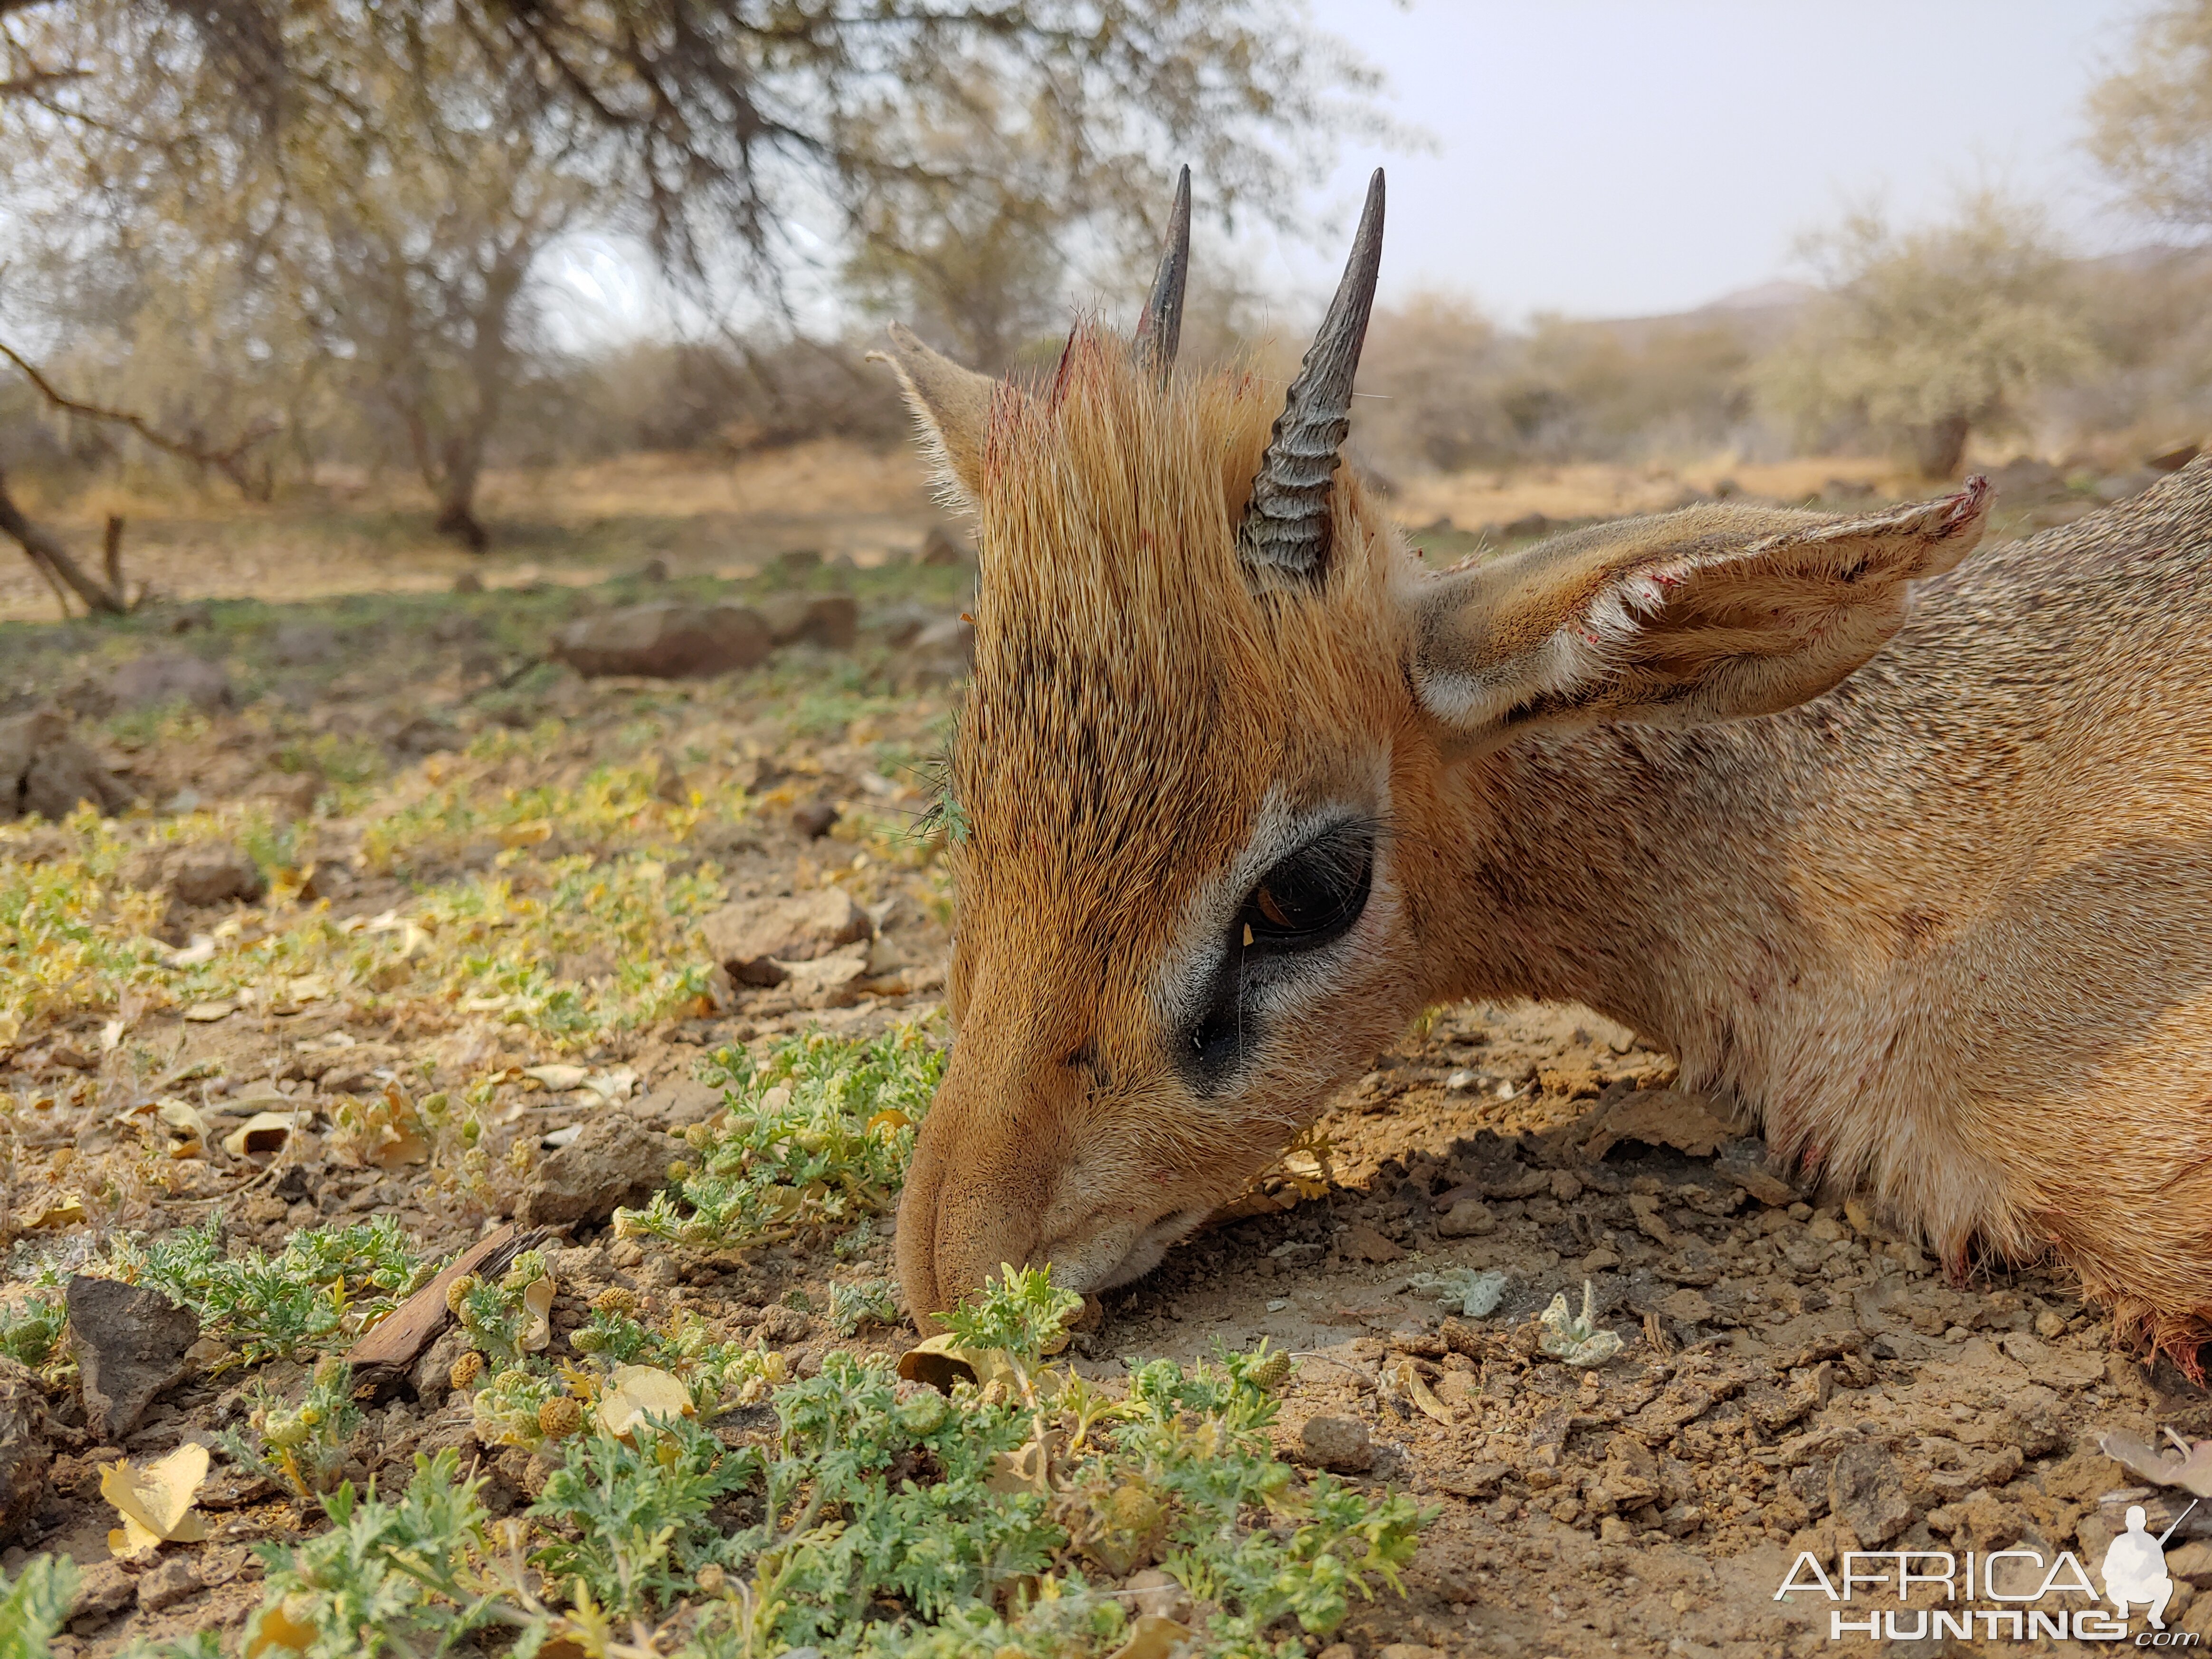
(976, 1191)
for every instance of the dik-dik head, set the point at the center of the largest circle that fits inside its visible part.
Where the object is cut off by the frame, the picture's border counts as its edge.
(1218, 765)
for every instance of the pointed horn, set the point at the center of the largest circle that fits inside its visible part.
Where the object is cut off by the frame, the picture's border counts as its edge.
(1159, 331)
(1286, 528)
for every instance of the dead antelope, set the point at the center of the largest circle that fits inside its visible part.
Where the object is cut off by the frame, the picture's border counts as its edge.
(1913, 858)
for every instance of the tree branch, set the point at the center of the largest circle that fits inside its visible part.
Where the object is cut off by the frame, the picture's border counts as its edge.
(229, 462)
(53, 560)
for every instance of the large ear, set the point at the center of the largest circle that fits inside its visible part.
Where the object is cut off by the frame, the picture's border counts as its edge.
(1710, 614)
(952, 404)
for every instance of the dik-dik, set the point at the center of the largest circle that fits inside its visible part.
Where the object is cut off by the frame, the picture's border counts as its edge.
(1910, 854)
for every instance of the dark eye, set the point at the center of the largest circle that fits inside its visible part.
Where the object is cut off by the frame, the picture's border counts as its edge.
(1313, 896)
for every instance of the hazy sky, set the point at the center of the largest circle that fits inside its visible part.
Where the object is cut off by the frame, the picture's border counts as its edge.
(1617, 158)
(1621, 157)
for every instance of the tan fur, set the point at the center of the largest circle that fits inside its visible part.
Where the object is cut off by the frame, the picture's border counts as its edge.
(1948, 925)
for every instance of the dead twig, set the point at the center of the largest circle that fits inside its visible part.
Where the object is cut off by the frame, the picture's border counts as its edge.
(54, 562)
(230, 462)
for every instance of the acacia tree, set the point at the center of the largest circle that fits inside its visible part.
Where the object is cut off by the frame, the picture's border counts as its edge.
(395, 168)
(1925, 336)
(379, 236)
(2150, 122)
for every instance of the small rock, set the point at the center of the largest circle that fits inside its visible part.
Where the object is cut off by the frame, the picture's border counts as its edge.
(755, 939)
(299, 644)
(668, 781)
(2172, 460)
(947, 643)
(468, 582)
(1468, 1218)
(129, 1344)
(25, 1457)
(296, 794)
(814, 820)
(829, 981)
(1362, 1243)
(161, 678)
(1338, 1443)
(1746, 1163)
(104, 1590)
(2120, 486)
(940, 549)
(214, 872)
(666, 640)
(617, 1162)
(2192, 1561)
(798, 561)
(1526, 528)
(826, 619)
(899, 624)
(677, 1105)
(784, 1325)
(1866, 1491)
(167, 1584)
(432, 1373)
(1158, 1595)
(43, 769)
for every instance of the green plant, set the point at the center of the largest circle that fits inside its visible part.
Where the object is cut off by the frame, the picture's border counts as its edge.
(402, 1578)
(32, 1330)
(633, 1520)
(818, 1135)
(510, 1409)
(851, 1306)
(302, 1447)
(719, 1375)
(507, 1320)
(323, 1288)
(887, 1520)
(31, 1608)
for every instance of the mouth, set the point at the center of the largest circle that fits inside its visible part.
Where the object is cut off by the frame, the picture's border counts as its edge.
(1090, 1269)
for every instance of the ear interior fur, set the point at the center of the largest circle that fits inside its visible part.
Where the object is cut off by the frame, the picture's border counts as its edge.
(951, 404)
(1712, 613)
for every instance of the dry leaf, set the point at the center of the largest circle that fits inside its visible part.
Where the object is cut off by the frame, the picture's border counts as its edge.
(110, 1036)
(198, 954)
(264, 1132)
(634, 1393)
(183, 1118)
(1409, 1384)
(2191, 1471)
(62, 1210)
(559, 1080)
(613, 1087)
(535, 833)
(155, 1502)
(940, 1361)
(538, 1296)
(206, 1013)
(274, 1628)
(1028, 1468)
(1150, 1638)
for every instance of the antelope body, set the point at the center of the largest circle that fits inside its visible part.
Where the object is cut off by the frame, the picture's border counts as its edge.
(1911, 855)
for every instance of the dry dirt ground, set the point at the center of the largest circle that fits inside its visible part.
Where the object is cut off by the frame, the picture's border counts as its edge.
(1795, 1375)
